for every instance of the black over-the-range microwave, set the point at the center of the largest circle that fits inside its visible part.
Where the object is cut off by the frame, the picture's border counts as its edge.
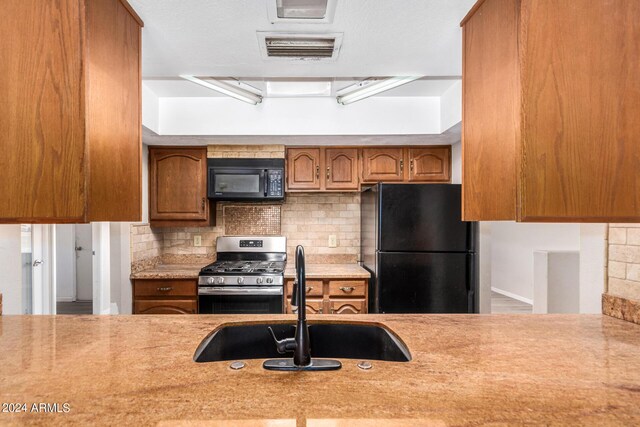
(245, 179)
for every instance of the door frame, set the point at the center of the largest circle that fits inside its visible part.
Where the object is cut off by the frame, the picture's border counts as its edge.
(43, 237)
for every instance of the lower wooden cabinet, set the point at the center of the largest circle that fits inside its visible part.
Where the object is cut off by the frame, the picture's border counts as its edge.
(331, 296)
(165, 296)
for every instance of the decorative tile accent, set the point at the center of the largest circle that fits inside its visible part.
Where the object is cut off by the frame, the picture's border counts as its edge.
(621, 308)
(245, 151)
(252, 220)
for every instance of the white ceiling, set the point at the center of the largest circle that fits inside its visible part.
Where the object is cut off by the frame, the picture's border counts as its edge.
(380, 38)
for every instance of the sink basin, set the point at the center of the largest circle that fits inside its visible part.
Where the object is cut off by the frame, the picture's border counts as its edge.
(328, 340)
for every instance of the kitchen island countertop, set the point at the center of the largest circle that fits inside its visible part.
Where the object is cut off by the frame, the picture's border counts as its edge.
(466, 369)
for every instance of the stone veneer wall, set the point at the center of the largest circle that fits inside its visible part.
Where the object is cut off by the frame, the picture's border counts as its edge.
(622, 296)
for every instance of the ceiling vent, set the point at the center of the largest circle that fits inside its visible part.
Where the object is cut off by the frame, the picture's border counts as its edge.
(314, 47)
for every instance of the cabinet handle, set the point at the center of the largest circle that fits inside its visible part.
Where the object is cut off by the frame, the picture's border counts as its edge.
(328, 172)
(320, 311)
(317, 172)
(309, 289)
(411, 165)
(203, 203)
(165, 289)
(347, 289)
(401, 165)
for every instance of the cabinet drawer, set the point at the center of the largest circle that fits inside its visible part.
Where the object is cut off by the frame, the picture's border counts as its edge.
(347, 288)
(170, 306)
(163, 288)
(314, 288)
(347, 306)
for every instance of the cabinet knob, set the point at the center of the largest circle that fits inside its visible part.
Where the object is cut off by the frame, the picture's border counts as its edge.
(317, 172)
(401, 165)
(411, 165)
(328, 172)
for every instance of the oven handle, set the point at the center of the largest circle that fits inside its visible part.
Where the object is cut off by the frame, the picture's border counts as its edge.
(227, 290)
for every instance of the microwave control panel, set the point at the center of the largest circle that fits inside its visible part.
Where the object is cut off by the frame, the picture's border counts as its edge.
(276, 186)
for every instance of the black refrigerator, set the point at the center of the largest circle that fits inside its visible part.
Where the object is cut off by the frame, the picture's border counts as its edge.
(422, 257)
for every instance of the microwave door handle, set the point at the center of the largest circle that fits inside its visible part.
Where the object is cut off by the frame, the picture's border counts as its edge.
(266, 182)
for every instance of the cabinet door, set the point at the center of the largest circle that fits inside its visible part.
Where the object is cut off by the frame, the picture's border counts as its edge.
(432, 164)
(314, 306)
(314, 288)
(178, 183)
(303, 169)
(382, 164)
(347, 306)
(165, 306)
(341, 169)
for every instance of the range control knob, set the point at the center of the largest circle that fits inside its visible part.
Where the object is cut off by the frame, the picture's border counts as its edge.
(269, 280)
(219, 280)
(211, 280)
(258, 280)
(240, 280)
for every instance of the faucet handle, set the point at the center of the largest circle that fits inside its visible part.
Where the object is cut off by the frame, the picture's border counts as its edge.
(285, 345)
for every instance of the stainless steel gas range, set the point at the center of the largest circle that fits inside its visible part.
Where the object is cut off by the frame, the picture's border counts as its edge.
(247, 277)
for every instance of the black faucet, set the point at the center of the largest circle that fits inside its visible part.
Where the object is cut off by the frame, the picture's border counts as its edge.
(300, 344)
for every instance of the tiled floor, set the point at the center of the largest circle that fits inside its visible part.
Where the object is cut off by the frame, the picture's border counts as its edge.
(75, 307)
(505, 305)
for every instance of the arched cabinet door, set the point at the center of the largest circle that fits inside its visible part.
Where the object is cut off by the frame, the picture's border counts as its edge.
(303, 169)
(382, 164)
(347, 306)
(178, 184)
(430, 164)
(341, 169)
(174, 306)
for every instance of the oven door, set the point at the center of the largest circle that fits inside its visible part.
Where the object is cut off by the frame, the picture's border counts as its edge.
(236, 183)
(240, 300)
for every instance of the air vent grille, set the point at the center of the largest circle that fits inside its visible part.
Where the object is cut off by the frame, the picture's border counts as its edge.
(300, 47)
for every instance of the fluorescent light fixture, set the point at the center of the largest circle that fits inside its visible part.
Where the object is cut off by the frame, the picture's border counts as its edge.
(301, 9)
(371, 87)
(226, 89)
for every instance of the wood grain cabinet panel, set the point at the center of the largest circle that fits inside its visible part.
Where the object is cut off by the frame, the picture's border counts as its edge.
(347, 288)
(303, 169)
(341, 169)
(383, 164)
(314, 306)
(70, 132)
(178, 186)
(314, 287)
(172, 306)
(162, 288)
(347, 306)
(550, 128)
(430, 164)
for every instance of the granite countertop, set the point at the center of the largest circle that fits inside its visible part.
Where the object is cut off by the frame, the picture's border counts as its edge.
(170, 271)
(329, 271)
(466, 370)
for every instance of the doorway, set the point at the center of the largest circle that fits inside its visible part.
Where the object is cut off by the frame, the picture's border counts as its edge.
(74, 269)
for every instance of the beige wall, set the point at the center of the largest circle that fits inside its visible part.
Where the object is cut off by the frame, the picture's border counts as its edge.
(624, 261)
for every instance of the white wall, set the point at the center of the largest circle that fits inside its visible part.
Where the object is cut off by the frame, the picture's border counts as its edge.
(65, 262)
(150, 109)
(512, 247)
(299, 116)
(451, 106)
(10, 269)
(593, 252)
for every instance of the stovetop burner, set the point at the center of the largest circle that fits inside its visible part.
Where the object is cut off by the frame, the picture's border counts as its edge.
(245, 267)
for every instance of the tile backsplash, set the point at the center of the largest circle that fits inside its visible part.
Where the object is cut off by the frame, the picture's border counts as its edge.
(624, 261)
(306, 219)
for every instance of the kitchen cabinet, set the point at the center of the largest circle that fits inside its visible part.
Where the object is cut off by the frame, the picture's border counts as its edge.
(332, 296)
(322, 169)
(303, 169)
(383, 164)
(165, 296)
(71, 127)
(178, 187)
(430, 164)
(550, 129)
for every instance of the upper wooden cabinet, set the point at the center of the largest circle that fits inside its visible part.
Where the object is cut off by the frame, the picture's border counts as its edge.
(341, 169)
(550, 127)
(345, 168)
(71, 126)
(383, 164)
(319, 169)
(178, 186)
(303, 168)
